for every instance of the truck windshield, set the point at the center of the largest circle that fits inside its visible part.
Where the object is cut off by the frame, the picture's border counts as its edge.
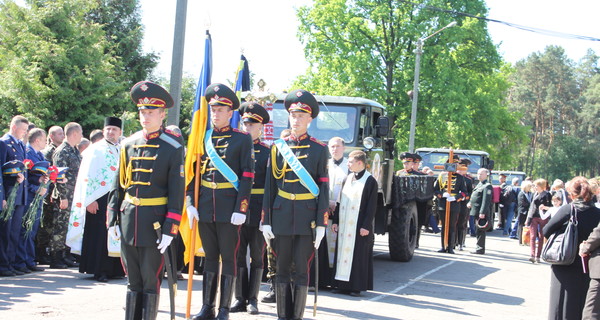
(434, 160)
(332, 121)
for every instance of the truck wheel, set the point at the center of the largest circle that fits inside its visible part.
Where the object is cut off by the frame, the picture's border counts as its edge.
(403, 232)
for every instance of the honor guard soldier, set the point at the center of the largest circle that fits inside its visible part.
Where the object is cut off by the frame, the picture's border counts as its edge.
(416, 163)
(481, 208)
(463, 216)
(457, 193)
(254, 117)
(407, 159)
(226, 181)
(148, 189)
(296, 194)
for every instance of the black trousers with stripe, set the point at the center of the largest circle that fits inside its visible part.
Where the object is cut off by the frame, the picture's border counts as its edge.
(294, 256)
(144, 266)
(220, 240)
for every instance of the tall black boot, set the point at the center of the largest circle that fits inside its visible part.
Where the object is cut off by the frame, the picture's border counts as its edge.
(150, 306)
(56, 261)
(209, 292)
(227, 281)
(270, 296)
(253, 289)
(133, 306)
(284, 300)
(240, 299)
(300, 293)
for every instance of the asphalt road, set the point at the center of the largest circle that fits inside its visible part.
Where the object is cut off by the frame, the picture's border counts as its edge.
(502, 284)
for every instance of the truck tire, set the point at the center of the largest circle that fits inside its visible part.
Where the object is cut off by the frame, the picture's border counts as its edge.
(403, 232)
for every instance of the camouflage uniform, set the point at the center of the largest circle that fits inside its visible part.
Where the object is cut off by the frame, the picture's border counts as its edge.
(64, 156)
(45, 231)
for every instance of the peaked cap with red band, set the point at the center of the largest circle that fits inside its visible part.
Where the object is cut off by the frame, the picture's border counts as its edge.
(218, 94)
(254, 112)
(148, 95)
(302, 100)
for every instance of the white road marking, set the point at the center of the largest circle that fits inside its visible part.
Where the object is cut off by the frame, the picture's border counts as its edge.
(411, 282)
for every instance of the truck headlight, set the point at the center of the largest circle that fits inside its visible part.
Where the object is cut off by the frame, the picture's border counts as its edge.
(368, 143)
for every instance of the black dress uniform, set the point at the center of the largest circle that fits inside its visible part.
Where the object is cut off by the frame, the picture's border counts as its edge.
(481, 203)
(463, 216)
(149, 188)
(218, 201)
(248, 286)
(458, 191)
(289, 208)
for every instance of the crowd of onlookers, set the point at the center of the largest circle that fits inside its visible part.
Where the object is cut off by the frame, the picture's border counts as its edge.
(36, 222)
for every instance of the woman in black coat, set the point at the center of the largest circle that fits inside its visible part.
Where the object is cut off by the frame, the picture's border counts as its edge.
(568, 284)
(542, 200)
(523, 203)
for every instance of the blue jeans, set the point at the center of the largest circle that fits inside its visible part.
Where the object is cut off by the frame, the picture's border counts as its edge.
(433, 224)
(510, 213)
(472, 225)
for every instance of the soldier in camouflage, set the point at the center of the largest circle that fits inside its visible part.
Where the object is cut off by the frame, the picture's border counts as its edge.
(56, 136)
(66, 155)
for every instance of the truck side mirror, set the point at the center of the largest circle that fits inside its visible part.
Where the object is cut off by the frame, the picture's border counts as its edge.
(491, 165)
(382, 128)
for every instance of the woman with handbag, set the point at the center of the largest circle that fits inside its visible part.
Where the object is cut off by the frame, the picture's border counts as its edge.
(569, 284)
(541, 200)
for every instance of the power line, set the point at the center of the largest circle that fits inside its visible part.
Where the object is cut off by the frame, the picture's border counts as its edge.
(510, 24)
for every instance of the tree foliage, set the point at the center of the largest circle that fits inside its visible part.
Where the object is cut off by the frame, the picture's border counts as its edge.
(366, 48)
(60, 61)
(558, 100)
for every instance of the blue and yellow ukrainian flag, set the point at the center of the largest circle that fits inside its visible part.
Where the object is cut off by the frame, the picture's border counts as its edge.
(195, 146)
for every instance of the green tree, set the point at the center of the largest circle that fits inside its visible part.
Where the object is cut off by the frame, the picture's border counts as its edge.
(70, 60)
(121, 22)
(558, 100)
(365, 48)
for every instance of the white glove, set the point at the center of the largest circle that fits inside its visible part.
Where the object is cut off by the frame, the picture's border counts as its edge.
(114, 232)
(450, 199)
(267, 232)
(319, 236)
(238, 218)
(192, 214)
(446, 195)
(501, 205)
(164, 243)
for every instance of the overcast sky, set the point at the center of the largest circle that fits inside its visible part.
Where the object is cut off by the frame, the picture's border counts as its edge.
(266, 32)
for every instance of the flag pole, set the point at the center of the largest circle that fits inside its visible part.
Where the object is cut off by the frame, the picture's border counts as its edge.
(188, 305)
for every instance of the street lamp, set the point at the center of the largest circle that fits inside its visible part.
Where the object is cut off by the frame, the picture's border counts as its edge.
(415, 92)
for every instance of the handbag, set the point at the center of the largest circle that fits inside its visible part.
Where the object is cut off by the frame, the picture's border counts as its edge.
(525, 236)
(561, 247)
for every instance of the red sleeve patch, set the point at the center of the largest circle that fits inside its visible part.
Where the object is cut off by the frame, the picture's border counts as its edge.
(174, 229)
(324, 179)
(248, 174)
(174, 216)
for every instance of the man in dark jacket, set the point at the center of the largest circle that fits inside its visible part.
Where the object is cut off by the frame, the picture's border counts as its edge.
(481, 208)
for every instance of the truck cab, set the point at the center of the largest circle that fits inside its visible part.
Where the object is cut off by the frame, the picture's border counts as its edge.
(434, 158)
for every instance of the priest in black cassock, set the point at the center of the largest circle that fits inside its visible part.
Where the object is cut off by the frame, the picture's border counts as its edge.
(353, 221)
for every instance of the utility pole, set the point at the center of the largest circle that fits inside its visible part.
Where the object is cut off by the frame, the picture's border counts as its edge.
(415, 92)
(177, 62)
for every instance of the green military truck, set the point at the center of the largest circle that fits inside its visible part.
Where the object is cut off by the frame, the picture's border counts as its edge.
(364, 125)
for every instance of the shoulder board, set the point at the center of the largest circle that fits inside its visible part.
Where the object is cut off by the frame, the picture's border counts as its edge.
(173, 133)
(263, 144)
(132, 137)
(238, 130)
(170, 140)
(313, 139)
